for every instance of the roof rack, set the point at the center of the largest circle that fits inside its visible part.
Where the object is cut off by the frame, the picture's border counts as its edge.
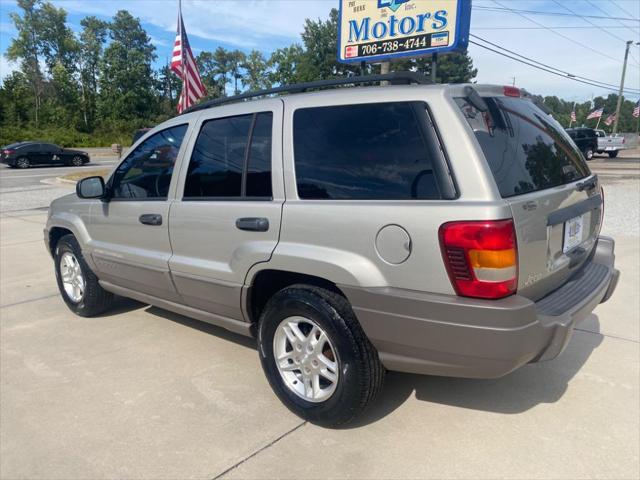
(394, 78)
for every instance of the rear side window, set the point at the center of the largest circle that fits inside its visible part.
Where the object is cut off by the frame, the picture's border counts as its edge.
(231, 158)
(361, 152)
(526, 149)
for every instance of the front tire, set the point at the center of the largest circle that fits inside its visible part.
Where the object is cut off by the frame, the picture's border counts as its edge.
(316, 357)
(78, 285)
(613, 154)
(77, 161)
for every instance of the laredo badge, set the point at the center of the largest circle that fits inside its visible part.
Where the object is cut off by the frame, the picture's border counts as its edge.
(375, 30)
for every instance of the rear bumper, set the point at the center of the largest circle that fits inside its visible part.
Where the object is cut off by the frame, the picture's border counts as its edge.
(454, 336)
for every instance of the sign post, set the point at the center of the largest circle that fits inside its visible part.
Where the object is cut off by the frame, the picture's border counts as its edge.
(376, 31)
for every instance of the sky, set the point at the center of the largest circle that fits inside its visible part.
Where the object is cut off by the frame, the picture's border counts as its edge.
(269, 24)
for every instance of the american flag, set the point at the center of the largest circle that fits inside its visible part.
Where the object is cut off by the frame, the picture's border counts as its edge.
(595, 114)
(184, 65)
(636, 109)
(573, 115)
(610, 119)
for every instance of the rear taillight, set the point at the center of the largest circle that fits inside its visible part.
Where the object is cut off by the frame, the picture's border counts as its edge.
(511, 91)
(481, 257)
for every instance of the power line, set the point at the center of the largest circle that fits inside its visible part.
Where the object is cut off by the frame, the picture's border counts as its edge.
(580, 27)
(548, 70)
(625, 11)
(563, 72)
(631, 29)
(558, 33)
(551, 14)
(590, 22)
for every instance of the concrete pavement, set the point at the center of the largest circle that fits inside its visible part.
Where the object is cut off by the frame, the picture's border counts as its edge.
(144, 393)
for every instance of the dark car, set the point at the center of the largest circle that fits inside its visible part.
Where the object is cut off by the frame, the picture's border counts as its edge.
(586, 139)
(26, 154)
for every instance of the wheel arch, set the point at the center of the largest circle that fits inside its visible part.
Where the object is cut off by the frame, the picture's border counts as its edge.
(268, 281)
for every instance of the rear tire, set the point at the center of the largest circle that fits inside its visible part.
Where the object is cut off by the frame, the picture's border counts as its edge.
(359, 375)
(79, 287)
(613, 154)
(22, 162)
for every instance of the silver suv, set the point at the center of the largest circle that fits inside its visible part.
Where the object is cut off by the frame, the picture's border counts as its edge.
(435, 229)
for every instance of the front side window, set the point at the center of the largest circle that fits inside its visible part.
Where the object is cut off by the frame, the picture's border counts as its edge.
(364, 152)
(146, 172)
(231, 158)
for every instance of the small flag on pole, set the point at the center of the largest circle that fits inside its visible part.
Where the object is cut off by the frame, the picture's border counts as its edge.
(610, 119)
(595, 114)
(636, 109)
(573, 116)
(184, 65)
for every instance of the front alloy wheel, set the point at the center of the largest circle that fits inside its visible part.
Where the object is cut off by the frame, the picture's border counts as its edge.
(77, 161)
(306, 359)
(71, 276)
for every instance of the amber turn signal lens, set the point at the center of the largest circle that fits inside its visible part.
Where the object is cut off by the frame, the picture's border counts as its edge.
(492, 258)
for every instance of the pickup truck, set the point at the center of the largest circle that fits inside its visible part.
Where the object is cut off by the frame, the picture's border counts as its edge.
(585, 139)
(609, 144)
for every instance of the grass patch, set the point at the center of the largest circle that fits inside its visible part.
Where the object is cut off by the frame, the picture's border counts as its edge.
(74, 177)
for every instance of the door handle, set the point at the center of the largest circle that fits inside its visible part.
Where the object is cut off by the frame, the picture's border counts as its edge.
(150, 219)
(253, 224)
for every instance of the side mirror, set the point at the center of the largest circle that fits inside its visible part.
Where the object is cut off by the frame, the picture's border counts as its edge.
(91, 187)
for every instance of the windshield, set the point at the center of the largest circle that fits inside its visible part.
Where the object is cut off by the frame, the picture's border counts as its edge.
(526, 149)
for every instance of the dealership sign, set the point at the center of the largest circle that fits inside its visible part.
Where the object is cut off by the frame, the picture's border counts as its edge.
(375, 30)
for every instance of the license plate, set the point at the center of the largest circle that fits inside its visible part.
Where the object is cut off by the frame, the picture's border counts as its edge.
(573, 233)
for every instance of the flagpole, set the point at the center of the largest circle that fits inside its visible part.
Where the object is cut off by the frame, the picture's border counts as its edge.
(182, 64)
(599, 118)
(573, 111)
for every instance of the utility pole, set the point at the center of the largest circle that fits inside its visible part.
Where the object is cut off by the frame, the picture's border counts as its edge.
(434, 66)
(624, 71)
(384, 69)
(513, 83)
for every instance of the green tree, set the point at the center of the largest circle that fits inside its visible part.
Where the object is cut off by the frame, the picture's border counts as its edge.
(92, 41)
(209, 70)
(26, 48)
(320, 39)
(59, 45)
(126, 80)
(284, 64)
(255, 71)
(236, 58)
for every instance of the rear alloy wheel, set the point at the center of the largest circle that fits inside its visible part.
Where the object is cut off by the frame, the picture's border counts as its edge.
(23, 162)
(588, 154)
(306, 359)
(77, 161)
(316, 356)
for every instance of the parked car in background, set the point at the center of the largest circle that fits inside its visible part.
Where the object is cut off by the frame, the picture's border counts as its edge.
(26, 154)
(586, 140)
(610, 144)
(435, 229)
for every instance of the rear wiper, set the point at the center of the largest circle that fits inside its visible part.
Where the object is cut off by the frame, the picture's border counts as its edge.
(588, 184)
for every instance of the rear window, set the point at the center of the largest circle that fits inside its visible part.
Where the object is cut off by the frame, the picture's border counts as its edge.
(363, 152)
(526, 149)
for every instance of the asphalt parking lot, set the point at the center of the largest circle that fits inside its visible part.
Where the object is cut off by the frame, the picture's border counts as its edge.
(144, 393)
